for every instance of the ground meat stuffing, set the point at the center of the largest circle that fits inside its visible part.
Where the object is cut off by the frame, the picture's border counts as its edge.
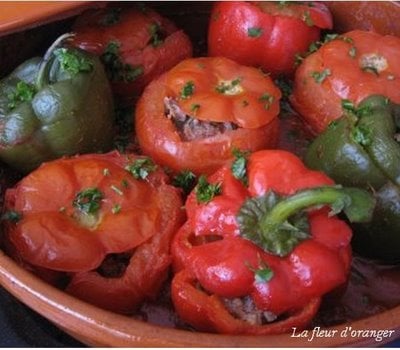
(245, 309)
(190, 128)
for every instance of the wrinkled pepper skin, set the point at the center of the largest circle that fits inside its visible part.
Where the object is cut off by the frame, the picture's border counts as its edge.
(67, 113)
(360, 150)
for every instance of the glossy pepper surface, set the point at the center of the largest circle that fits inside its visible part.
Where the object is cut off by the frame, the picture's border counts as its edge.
(362, 149)
(103, 221)
(55, 106)
(261, 243)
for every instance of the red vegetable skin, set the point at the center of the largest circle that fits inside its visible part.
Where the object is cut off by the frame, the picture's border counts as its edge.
(148, 43)
(354, 66)
(250, 102)
(54, 235)
(209, 250)
(265, 34)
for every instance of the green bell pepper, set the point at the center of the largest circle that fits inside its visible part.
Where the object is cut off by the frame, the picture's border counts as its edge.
(59, 105)
(362, 149)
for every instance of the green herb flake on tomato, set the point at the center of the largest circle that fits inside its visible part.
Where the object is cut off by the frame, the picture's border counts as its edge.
(206, 191)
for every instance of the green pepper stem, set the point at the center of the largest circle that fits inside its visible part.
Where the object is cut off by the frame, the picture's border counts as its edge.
(42, 77)
(357, 204)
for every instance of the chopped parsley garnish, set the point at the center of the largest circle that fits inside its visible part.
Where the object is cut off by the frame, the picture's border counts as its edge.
(12, 215)
(239, 165)
(319, 77)
(73, 61)
(263, 274)
(206, 191)
(88, 201)
(113, 16)
(194, 107)
(23, 92)
(185, 180)
(124, 183)
(141, 168)
(349, 106)
(362, 136)
(116, 69)
(187, 90)
(254, 32)
(307, 18)
(228, 87)
(267, 99)
(156, 34)
(116, 208)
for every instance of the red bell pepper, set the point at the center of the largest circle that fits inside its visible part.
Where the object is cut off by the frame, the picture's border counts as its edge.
(261, 235)
(103, 221)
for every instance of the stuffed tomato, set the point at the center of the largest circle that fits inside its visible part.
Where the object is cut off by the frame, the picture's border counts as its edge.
(351, 67)
(135, 44)
(103, 223)
(195, 115)
(262, 245)
(266, 34)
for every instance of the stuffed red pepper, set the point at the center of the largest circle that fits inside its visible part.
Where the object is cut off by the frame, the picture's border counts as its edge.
(102, 222)
(262, 245)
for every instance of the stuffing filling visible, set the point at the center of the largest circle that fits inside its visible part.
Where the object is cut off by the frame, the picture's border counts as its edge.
(190, 128)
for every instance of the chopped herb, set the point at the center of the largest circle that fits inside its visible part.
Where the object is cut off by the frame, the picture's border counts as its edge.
(319, 77)
(88, 200)
(116, 69)
(254, 32)
(185, 180)
(141, 168)
(206, 191)
(187, 90)
(347, 39)
(352, 52)
(73, 61)
(116, 208)
(238, 167)
(23, 92)
(307, 18)
(263, 274)
(125, 183)
(12, 215)
(267, 98)
(195, 107)
(348, 105)
(106, 172)
(332, 36)
(156, 34)
(298, 59)
(116, 190)
(230, 87)
(113, 16)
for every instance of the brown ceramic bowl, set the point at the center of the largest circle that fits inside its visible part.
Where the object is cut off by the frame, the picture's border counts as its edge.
(97, 327)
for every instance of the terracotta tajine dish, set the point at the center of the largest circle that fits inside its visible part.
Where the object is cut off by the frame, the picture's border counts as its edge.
(365, 312)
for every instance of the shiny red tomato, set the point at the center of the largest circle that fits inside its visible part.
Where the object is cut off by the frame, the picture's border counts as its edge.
(265, 34)
(106, 220)
(351, 67)
(136, 45)
(195, 115)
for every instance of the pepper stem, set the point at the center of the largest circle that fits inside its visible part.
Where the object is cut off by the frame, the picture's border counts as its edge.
(42, 77)
(357, 205)
(278, 224)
